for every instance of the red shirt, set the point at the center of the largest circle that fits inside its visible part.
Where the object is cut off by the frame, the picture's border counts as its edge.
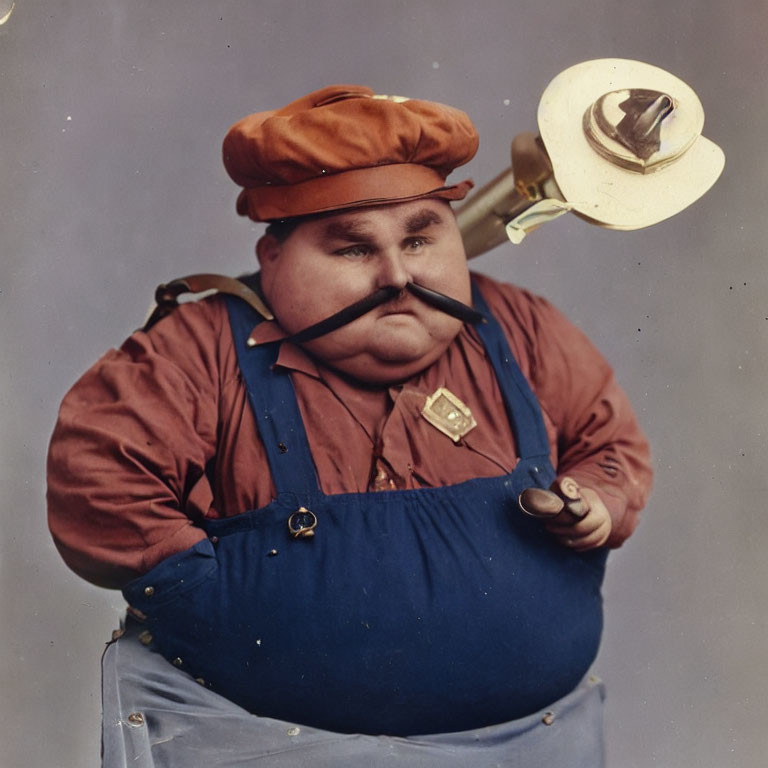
(159, 434)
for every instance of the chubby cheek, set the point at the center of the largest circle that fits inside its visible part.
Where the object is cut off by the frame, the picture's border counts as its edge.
(289, 306)
(446, 271)
(300, 297)
(462, 286)
(445, 329)
(452, 280)
(341, 345)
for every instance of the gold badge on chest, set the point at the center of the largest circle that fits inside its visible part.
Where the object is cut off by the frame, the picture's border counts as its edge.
(446, 412)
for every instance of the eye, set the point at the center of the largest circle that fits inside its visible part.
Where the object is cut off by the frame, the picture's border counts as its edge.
(415, 244)
(354, 251)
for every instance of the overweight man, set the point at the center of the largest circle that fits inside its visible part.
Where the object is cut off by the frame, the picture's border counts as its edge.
(310, 498)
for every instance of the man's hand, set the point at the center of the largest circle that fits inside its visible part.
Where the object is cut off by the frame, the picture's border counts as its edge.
(590, 531)
(575, 515)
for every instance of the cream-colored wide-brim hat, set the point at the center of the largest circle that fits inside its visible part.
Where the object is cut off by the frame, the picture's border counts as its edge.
(625, 142)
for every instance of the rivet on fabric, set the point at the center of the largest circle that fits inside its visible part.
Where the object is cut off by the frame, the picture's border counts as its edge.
(145, 638)
(302, 523)
(214, 539)
(149, 591)
(177, 662)
(136, 719)
(295, 731)
(549, 718)
(200, 680)
(282, 447)
(251, 342)
(272, 552)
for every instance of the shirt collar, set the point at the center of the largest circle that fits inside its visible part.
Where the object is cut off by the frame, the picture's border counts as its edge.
(290, 355)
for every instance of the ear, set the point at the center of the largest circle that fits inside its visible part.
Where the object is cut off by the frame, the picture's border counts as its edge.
(267, 250)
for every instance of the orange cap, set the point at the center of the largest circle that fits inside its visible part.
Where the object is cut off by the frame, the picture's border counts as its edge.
(345, 147)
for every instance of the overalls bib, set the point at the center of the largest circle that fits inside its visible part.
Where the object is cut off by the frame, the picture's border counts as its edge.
(408, 612)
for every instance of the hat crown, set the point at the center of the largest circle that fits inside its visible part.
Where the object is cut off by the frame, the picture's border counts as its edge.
(344, 146)
(331, 94)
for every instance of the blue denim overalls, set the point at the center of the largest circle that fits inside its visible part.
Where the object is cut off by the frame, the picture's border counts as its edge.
(427, 611)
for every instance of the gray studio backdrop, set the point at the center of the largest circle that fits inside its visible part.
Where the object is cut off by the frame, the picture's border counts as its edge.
(111, 117)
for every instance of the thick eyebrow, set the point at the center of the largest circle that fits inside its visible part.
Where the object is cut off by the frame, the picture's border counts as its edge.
(350, 231)
(421, 220)
(358, 231)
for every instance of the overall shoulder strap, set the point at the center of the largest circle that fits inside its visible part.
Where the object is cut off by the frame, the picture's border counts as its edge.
(274, 406)
(521, 403)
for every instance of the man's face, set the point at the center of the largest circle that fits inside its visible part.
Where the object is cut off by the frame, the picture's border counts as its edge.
(328, 263)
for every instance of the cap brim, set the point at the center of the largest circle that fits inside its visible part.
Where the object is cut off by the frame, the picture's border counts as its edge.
(598, 189)
(357, 188)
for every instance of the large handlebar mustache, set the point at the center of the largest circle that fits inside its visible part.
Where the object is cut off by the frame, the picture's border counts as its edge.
(382, 296)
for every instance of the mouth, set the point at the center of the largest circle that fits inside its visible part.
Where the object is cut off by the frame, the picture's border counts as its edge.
(400, 305)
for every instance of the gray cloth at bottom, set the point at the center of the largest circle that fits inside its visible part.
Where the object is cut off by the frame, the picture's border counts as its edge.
(157, 716)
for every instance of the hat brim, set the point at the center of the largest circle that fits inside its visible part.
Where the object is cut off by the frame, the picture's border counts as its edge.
(358, 188)
(598, 189)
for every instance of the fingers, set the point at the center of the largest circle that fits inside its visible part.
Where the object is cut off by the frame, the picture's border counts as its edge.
(576, 516)
(579, 539)
(588, 532)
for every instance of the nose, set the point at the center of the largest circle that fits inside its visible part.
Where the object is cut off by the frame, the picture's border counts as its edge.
(392, 269)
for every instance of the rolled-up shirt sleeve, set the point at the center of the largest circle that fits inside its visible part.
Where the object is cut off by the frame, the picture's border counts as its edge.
(128, 457)
(595, 435)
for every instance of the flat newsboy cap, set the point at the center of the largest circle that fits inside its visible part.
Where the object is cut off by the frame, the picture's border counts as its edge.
(346, 147)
